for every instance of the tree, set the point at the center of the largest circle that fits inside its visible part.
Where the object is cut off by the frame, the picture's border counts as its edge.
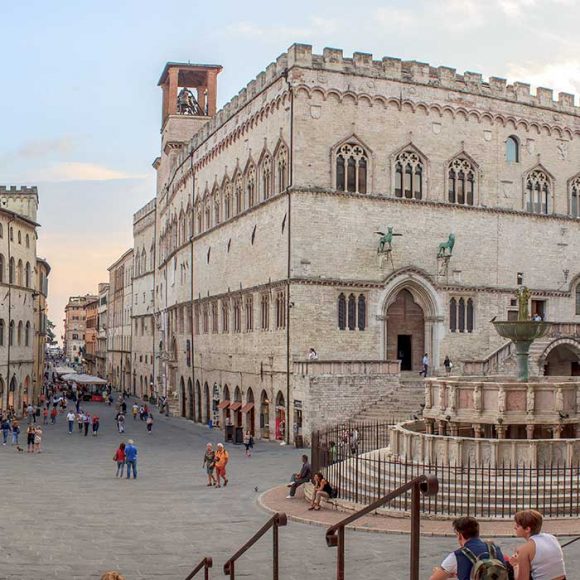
(50, 336)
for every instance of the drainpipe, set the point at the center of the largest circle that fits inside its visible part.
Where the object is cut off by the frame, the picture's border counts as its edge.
(192, 351)
(10, 282)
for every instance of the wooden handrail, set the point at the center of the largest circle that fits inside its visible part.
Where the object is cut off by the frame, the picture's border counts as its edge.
(204, 565)
(277, 520)
(424, 484)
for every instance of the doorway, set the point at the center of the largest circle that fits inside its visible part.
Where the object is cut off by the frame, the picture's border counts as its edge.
(539, 309)
(405, 351)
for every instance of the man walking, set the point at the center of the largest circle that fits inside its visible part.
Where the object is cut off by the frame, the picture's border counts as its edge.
(86, 422)
(297, 479)
(71, 422)
(425, 363)
(131, 458)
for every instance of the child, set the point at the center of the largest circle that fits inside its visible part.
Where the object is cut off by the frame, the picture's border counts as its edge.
(119, 457)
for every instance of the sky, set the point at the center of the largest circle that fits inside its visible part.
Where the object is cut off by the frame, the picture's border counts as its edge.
(80, 106)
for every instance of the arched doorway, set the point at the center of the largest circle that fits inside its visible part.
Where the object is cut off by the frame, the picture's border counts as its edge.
(207, 403)
(237, 407)
(198, 396)
(2, 386)
(561, 358)
(413, 315)
(141, 392)
(280, 416)
(264, 415)
(225, 407)
(182, 395)
(191, 402)
(250, 412)
(27, 393)
(12, 391)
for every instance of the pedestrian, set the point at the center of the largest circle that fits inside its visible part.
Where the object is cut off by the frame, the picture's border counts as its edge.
(71, 422)
(124, 407)
(221, 460)
(96, 425)
(53, 414)
(30, 414)
(86, 422)
(131, 458)
(30, 438)
(38, 440)
(209, 464)
(149, 423)
(45, 416)
(249, 443)
(80, 421)
(145, 412)
(425, 363)
(134, 411)
(15, 432)
(459, 564)
(119, 457)
(302, 476)
(541, 556)
(121, 422)
(141, 413)
(6, 428)
(448, 365)
(312, 354)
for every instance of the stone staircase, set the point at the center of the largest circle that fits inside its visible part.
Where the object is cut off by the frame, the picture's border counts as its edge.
(398, 405)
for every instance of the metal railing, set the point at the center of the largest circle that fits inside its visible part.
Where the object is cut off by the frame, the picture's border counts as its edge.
(277, 520)
(426, 485)
(204, 565)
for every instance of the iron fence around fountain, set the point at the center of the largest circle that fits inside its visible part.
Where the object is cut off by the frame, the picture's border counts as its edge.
(366, 474)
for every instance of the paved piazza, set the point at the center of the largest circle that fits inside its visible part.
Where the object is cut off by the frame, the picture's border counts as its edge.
(64, 515)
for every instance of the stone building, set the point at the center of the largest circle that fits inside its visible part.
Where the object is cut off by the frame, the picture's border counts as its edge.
(19, 366)
(270, 212)
(143, 339)
(40, 325)
(91, 320)
(119, 308)
(75, 325)
(101, 355)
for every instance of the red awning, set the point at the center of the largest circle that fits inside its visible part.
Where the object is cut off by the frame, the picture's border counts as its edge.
(247, 407)
(235, 406)
(224, 405)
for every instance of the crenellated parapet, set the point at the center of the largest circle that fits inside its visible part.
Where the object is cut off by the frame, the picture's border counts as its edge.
(144, 211)
(13, 190)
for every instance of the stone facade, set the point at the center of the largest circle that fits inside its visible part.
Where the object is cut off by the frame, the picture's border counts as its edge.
(22, 307)
(40, 325)
(267, 216)
(91, 321)
(102, 320)
(143, 320)
(75, 326)
(119, 308)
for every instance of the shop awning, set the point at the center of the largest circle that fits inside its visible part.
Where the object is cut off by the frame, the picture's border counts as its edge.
(84, 379)
(224, 405)
(235, 405)
(247, 407)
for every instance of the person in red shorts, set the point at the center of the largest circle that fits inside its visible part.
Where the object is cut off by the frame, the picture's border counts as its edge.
(221, 460)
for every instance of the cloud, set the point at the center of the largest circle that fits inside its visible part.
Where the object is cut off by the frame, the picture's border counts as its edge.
(46, 147)
(315, 27)
(74, 171)
(562, 76)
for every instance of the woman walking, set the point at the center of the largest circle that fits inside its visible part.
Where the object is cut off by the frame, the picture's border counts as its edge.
(249, 443)
(119, 457)
(15, 432)
(30, 438)
(209, 464)
(38, 440)
(96, 425)
(149, 423)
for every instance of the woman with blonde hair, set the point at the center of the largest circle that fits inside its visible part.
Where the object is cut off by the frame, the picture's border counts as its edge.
(112, 575)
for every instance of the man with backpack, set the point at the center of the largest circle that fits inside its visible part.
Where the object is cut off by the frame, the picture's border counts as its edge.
(475, 559)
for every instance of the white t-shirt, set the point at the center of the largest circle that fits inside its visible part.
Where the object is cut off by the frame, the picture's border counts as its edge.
(450, 563)
(71, 416)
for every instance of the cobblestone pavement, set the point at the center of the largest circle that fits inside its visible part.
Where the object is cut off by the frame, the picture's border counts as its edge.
(64, 515)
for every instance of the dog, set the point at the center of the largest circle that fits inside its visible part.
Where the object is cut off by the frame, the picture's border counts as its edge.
(19, 449)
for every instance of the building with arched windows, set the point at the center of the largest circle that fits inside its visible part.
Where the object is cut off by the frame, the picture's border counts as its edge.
(268, 218)
(23, 290)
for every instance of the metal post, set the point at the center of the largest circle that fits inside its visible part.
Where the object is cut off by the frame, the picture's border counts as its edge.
(232, 571)
(275, 559)
(415, 533)
(340, 555)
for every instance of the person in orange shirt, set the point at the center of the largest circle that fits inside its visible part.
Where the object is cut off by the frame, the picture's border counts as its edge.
(221, 460)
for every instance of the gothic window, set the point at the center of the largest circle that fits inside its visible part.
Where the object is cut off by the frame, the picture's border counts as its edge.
(453, 315)
(351, 168)
(341, 312)
(282, 169)
(27, 334)
(265, 312)
(1, 231)
(578, 300)
(19, 333)
(251, 186)
(214, 317)
(227, 200)
(574, 187)
(281, 309)
(19, 273)
(27, 275)
(2, 332)
(409, 175)
(11, 234)
(461, 181)
(27, 240)
(205, 319)
(199, 221)
(238, 315)
(512, 149)
(1, 267)
(351, 312)
(266, 177)
(19, 237)
(239, 194)
(216, 210)
(207, 215)
(362, 312)
(537, 192)
(11, 334)
(249, 313)
(461, 315)
(225, 316)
